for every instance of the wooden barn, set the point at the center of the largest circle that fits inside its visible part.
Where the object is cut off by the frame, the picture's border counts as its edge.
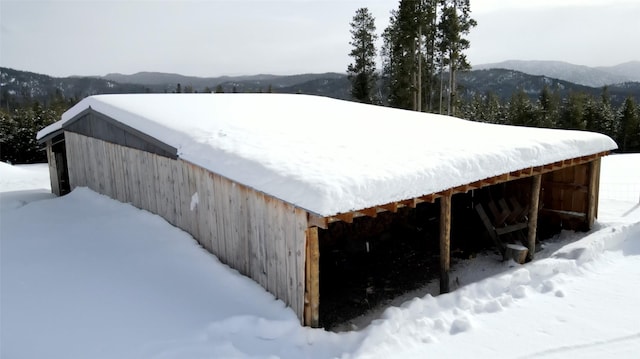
(263, 180)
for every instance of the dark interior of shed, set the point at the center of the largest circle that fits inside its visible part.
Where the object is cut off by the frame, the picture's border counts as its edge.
(371, 261)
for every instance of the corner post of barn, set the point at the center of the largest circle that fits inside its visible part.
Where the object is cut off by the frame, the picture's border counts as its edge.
(312, 279)
(592, 196)
(445, 241)
(536, 183)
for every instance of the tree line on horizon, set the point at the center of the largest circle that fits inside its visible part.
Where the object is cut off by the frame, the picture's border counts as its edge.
(578, 111)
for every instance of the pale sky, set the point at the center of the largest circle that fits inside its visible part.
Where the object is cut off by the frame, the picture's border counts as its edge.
(244, 37)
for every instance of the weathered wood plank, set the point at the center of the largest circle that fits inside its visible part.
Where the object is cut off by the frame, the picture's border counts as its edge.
(53, 170)
(299, 270)
(280, 250)
(191, 194)
(254, 240)
(262, 234)
(592, 197)
(151, 182)
(245, 231)
(445, 242)
(212, 225)
(80, 151)
(533, 214)
(104, 169)
(227, 223)
(201, 210)
(176, 175)
(126, 173)
(312, 281)
(184, 197)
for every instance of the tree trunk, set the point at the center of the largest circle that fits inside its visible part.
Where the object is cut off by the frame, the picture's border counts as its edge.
(419, 82)
(450, 82)
(454, 90)
(432, 55)
(441, 82)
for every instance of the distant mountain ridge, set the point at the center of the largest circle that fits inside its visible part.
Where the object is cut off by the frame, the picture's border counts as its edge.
(43, 87)
(578, 74)
(504, 83)
(18, 85)
(159, 81)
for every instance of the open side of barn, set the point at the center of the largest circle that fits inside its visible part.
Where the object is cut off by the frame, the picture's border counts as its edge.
(278, 243)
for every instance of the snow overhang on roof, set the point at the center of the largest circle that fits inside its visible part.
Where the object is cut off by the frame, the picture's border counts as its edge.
(331, 156)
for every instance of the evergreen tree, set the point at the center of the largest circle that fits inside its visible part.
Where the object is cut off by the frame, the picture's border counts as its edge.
(548, 108)
(429, 30)
(599, 116)
(219, 89)
(482, 108)
(399, 61)
(607, 119)
(19, 126)
(629, 119)
(455, 24)
(573, 113)
(404, 75)
(362, 72)
(521, 112)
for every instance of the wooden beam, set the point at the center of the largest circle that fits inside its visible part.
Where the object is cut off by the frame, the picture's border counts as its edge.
(536, 182)
(592, 192)
(462, 189)
(312, 279)
(317, 221)
(411, 203)
(345, 217)
(391, 207)
(371, 212)
(445, 241)
(431, 198)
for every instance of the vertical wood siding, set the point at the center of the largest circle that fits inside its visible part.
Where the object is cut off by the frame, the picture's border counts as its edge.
(53, 170)
(258, 235)
(566, 189)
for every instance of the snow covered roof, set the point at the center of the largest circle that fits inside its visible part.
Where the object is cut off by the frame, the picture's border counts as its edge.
(331, 156)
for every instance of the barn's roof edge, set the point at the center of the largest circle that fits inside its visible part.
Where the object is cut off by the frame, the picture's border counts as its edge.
(89, 110)
(321, 221)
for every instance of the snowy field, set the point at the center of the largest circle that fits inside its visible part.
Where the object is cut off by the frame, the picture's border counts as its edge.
(83, 276)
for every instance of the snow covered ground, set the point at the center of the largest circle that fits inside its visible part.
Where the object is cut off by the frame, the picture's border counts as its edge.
(83, 276)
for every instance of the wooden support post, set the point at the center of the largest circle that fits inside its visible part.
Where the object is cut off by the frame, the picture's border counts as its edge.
(312, 279)
(536, 182)
(445, 232)
(592, 194)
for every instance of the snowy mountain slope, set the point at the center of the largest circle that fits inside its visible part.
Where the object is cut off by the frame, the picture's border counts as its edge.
(87, 277)
(629, 70)
(579, 74)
